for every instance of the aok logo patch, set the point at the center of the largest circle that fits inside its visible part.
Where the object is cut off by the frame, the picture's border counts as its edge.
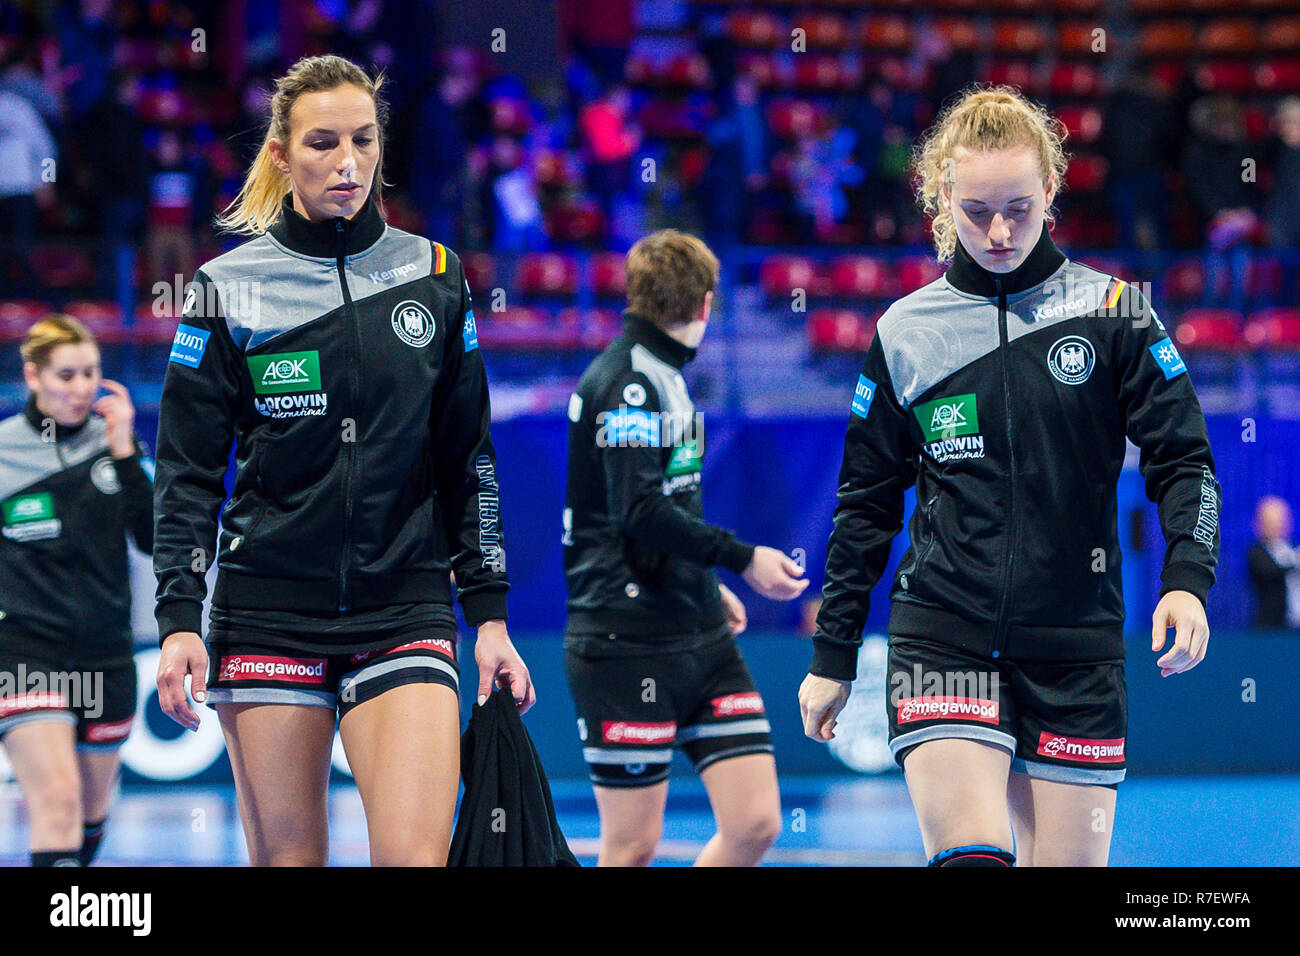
(287, 384)
(31, 518)
(948, 417)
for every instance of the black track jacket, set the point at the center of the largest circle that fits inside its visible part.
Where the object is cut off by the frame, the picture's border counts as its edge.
(1006, 399)
(342, 356)
(638, 555)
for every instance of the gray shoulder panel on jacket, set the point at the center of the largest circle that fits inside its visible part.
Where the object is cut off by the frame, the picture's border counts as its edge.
(26, 458)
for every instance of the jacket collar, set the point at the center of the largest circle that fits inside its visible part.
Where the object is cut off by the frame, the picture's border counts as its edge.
(36, 418)
(969, 276)
(637, 328)
(321, 239)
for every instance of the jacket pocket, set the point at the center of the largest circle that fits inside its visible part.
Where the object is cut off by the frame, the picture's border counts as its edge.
(908, 576)
(257, 496)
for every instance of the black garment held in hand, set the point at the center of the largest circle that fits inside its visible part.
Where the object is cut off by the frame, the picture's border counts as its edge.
(506, 817)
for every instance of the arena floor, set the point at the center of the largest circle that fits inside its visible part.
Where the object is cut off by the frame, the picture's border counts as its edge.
(1238, 820)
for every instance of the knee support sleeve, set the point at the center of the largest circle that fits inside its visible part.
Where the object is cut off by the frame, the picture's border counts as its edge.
(974, 855)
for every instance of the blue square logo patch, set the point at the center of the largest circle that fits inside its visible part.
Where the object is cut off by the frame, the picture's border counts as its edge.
(862, 396)
(188, 345)
(470, 334)
(1170, 362)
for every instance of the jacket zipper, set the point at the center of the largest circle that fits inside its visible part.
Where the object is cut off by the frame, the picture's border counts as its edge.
(354, 350)
(1000, 627)
(921, 555)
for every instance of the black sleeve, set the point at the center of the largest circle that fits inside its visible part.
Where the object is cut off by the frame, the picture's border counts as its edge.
(631, 453)
(196, 416)
(464, 468)
(879, 466)
(1163, 418)
(135, 474)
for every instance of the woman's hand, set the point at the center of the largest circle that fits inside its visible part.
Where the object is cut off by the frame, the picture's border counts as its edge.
(734, 609)
(182, 653)
(499, 665)
(820, 701)
(119, 415)
(1181, 610)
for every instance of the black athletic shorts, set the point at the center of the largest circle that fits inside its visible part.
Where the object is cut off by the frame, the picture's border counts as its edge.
(1064, 722)
(264, 668)
(638, 697)
(99, 699)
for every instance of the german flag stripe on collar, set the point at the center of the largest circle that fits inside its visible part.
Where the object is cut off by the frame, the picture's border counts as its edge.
(1115, 291)
(439, 258)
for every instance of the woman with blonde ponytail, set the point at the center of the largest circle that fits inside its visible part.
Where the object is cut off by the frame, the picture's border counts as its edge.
(340, 356)
(1004, 390)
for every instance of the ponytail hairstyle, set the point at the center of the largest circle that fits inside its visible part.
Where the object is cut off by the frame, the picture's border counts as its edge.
(48, 334)
(983, 119)
(257, 205)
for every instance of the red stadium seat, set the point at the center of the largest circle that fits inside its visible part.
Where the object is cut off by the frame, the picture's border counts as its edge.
(840, 330)
(1014, 72)
(765, 69)
(1166, 38)
(101, 317)
(961, 33)
(1273, 329)
(688, 70)
(575, 220)
(756, 28)
(793, 118)
(1279, 76)
(1281, 34)
(1227, 76)
(1228, 37)
(822, 72)
(1083, 122)
(1157, 7)
(781, 275)
(1077, 38)
(915, 272)
(524, 328)
(1075, 79)
(1018, 38)
(1218, 330)
(1086, 174)
(1169, 73)
(19, 315)
(861, 277)
(883, 32)
(1079, 7)
(609, 274)
(823, 31)
(547, 274)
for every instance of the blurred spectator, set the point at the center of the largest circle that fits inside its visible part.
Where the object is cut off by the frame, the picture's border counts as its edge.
(86, 34)
(172, 188)
(1283, 211)
(1272, 561)
(514, 189)
(609, 139)
(823, 167)
(21, 72)
(737, 169)
(27, 169)
(1212, 164)
(437, 177)
(1136, 132)
(118, 181)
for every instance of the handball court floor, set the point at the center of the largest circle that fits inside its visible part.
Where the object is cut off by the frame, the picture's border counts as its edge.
(1230, 820)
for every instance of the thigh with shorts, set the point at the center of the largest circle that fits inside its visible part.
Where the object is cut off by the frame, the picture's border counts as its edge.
(106, 711)
(34, 686)
(636, 703)
(266, 668)
(938, 691)
(1071, 721)
(724, 716)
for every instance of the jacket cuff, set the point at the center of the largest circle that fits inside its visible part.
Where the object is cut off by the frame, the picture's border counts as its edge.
(129, 470)
(735, 555)
(834, 659)
(483, 606)
(1187, 576)
(176, 616)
